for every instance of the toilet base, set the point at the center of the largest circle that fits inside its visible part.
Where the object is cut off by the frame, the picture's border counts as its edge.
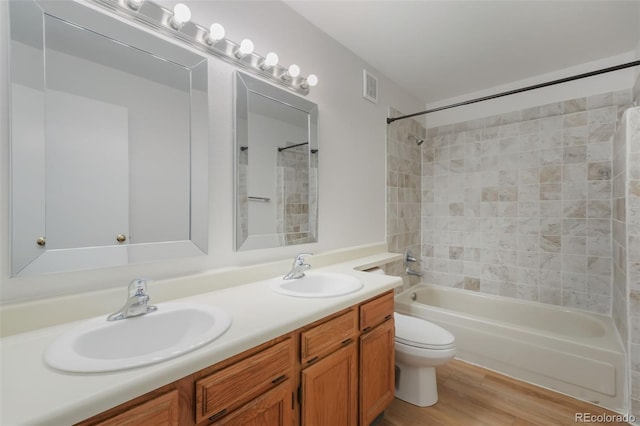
(416, 385)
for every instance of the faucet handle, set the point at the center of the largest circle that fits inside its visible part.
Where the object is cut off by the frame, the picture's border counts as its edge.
(409, 257)
(300, 258)
(138, 287)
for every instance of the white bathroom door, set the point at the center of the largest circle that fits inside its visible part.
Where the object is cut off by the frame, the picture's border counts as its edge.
(87, 172)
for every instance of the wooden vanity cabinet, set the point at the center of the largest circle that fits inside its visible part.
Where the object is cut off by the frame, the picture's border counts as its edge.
(336, 371)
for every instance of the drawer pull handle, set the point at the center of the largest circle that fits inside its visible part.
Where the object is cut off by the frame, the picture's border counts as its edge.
(388, 317)
(346, 342)
(279, 379)
(219, 414)
(314, 359)
(366, 329)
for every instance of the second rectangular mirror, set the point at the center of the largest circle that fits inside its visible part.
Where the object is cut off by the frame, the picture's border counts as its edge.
(276, 166)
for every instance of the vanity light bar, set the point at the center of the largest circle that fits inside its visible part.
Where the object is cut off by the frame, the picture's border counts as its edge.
(178, 24)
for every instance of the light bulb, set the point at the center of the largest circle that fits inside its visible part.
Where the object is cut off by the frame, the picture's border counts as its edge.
(269, 61)
(181, 15)
(134, 4)
(246, 48)
(293, 71)
(216, 33)
(312, 80)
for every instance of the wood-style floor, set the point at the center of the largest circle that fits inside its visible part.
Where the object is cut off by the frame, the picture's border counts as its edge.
(470, 395)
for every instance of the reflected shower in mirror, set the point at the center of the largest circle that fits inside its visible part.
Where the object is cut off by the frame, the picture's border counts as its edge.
(108, 145)
(276, 166)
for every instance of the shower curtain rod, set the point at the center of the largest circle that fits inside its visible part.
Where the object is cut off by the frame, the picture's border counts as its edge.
(524, 89)
(292, 146)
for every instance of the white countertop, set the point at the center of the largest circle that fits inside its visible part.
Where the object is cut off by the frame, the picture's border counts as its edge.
(31, 393)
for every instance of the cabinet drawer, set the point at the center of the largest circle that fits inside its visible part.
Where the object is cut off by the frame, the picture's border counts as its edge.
(376, 311)
(223, 391)
(323, 339)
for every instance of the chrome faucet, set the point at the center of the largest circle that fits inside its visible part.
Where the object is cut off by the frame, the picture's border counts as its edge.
(137, 302)
(298, 267)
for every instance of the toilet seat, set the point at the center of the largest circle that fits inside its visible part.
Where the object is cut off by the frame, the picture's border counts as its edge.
(416, 332)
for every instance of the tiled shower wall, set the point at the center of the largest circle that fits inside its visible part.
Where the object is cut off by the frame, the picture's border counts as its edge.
(520, 204)
(404, 197)
(627, 254)
(620, 293)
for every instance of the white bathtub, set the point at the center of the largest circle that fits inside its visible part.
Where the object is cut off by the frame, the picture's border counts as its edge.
(570, 351)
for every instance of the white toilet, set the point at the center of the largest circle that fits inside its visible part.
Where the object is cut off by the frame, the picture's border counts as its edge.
(420, 347)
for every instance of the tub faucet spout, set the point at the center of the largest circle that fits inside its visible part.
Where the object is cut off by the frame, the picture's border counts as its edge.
(137, 303)
(410, 271)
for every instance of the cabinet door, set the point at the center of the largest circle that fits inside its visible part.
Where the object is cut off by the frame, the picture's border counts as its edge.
(274, 408)
(377, 371)
(330, 390)
(160, 411)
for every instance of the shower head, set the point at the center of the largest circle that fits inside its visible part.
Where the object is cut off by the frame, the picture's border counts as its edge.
(418, 141)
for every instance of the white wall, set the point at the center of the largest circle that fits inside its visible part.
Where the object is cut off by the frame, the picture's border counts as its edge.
(352, 134)
(609, 82)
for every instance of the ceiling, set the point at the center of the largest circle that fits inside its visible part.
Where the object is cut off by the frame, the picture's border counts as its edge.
(441, 49)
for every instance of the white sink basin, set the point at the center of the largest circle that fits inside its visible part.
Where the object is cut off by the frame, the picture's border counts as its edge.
(99, 345)
(317, 284)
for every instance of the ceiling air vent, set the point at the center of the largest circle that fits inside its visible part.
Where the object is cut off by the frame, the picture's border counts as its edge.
(369, 87)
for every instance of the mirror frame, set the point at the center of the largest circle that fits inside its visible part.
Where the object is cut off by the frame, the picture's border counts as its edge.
(244, 85)
(44, 261)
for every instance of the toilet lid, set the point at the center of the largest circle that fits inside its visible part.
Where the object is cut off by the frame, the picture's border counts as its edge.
(417, 332)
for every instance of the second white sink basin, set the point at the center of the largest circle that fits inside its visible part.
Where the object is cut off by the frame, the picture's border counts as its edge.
(317, 284)
(98, 345)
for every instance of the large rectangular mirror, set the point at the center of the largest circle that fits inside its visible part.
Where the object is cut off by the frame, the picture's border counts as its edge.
(276, 166)
(109, 135)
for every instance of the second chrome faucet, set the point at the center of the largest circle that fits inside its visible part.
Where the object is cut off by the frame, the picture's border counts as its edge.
(298, 267)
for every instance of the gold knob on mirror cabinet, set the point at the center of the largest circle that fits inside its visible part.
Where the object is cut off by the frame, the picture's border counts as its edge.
(41, 241)
(121, 238)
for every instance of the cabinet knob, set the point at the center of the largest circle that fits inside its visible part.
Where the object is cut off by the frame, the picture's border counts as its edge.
(121, 238)
(41, 241)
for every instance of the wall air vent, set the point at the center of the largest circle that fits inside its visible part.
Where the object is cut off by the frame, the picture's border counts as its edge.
(369, 87)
